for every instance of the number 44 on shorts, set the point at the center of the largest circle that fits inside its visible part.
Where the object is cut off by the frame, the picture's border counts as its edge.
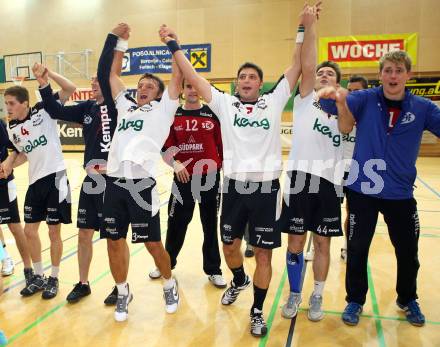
(322, 230)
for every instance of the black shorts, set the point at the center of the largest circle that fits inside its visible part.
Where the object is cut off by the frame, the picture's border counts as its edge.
(131, 201)
(91, 201)
(49, 199)
(8, 209)
(315, 207)
(256, 203)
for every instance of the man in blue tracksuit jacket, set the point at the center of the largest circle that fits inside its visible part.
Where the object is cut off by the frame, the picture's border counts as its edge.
(390, 122)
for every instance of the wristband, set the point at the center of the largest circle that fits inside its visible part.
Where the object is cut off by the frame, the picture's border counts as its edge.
(122, 45)
(173, 46)
(300, 34)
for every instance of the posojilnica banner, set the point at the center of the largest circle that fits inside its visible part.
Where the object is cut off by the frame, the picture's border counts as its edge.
(365, 50)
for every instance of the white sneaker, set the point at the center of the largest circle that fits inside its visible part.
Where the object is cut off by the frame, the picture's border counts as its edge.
(121, 310)
(155, 274)
(290, 308)
(7, 266)
(310, 254)
(315, 312)
(171, 297)
(218, 281)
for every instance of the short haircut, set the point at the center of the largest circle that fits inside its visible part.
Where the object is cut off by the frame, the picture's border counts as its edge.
(396, 57)
(249, 65)
(358, 78)
(154, 78)
(332, 65)
(20, 93)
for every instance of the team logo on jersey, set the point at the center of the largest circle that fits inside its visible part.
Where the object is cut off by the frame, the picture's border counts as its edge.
(238, 105)
(37, 119)
(408, 118)
(15, 138)
(326, 131)
(243, 122)
(208, 125)
(31, 145)
(204, 114)
(87, 119)
(135, 124)
(261, 104)
(23, 131)
(146, 108)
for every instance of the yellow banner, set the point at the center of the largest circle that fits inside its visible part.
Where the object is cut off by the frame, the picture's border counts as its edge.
(365, 50)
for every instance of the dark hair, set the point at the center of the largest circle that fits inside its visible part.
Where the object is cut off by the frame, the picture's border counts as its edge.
(332, 65)
(20, 93)
(248, 65)
(358, 78)
(154, 78)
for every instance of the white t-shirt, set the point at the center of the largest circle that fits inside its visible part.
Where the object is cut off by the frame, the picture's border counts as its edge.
(251, 133)
(140, 136)
(37, 136)
(316, 142)
(348, 141)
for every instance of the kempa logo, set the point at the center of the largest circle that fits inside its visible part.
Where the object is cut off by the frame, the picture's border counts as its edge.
(325, 130)
(244, 122)
(136, 125)
(31, 145)
(106, 133)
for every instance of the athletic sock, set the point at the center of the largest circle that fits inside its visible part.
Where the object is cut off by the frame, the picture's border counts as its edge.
(294, 269)
(259, 297)
(239, 276)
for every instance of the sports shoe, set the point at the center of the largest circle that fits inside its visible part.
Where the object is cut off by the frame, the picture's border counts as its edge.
(51, 289)
(344, 254)
(79, 291)
(351, 313)
(258, 325)
(121, 310)
(310, 254)
(7, 266)
(171, 297)
(413, 313)
(111, 299)
(217, 280)
(230, 295)
(315, 313)
(3, 339)
(36, 284)
(290, 308)
(249, 252)
(28, 274)
(155, 274)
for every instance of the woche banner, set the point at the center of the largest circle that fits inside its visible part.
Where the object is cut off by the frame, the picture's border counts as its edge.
(365, 50)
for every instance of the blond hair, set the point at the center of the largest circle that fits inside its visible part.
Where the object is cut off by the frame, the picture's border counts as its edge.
(396, 57)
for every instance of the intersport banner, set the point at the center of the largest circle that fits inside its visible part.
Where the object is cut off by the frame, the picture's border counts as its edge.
(365, 50)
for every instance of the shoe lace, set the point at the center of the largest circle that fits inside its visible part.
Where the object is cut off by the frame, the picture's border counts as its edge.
(77, 287)
(291, 301)
(51, 282)
(414, 308)
(121, 303)
(257, 320)
(352, 308)
(315, 302)
(168, 295)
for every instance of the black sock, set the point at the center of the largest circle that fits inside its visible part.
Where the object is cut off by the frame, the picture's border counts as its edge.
(259, 297)
(239, 276)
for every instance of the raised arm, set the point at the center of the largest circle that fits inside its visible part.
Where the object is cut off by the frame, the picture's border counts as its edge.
(42, 74)
(308, 50)
(188, 71)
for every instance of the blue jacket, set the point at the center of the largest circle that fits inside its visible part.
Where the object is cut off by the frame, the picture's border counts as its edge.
(396, 151)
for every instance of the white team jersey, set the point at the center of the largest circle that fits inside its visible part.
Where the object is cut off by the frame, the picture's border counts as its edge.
(251, 133)
(316, 142)
(140, 136)
(37, 136)
(348, 143)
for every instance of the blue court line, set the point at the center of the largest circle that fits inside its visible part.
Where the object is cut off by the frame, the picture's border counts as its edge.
(429, 187)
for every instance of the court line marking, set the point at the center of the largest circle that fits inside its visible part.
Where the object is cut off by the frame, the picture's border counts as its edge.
(429, 187)
(378, 322)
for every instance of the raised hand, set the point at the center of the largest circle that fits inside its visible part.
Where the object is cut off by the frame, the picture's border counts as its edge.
(166, 34)
(41, 73)
(122, 30)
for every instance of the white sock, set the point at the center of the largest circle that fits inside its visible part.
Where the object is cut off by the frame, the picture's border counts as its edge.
(5, 251)
(318, 288)
(55, 271)
(168, 283)
(122, 288)
(38, 268)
